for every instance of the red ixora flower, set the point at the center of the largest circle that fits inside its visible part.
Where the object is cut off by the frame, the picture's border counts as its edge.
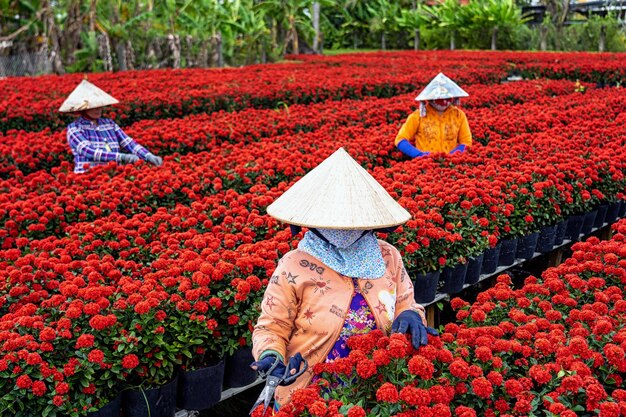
(387, 393)
(39, 388)
(85, 341)
(96, 356)
(356, 411)
(130, 361)
(24, 382)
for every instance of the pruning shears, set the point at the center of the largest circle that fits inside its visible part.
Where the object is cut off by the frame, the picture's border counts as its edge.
(272, 381)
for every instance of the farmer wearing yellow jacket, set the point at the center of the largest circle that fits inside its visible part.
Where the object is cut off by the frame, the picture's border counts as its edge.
(439, 125)
(341, 280)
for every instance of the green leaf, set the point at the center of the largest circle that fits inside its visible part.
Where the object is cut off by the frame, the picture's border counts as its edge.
(47, 410)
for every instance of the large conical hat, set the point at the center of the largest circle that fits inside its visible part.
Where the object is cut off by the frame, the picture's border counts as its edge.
(86, 96)
(441, 87)
(338, 194)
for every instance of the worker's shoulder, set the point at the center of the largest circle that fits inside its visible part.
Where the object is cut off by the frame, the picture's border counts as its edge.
(415, 114)
(456, 112)
(388, 249)
(297, 258)
(103, 121)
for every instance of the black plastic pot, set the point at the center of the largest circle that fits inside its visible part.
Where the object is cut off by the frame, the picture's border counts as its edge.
(526, 246)
(452, 279)
(613, 211)
(590, 219)
(154, 402)
(574, 226)
(545, 242)
(202, 388)
(490, 259)
(474, 269)
(559, 236)
(237, 372)
(622, 209)
(112, 409)
(425, 286)
(507, 252)
(602, 209)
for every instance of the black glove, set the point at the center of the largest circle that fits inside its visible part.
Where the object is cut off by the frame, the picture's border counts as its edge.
(409, 321)
(264, 365)
(280, 370)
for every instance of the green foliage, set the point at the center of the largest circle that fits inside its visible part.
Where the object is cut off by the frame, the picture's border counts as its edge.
(87, 57)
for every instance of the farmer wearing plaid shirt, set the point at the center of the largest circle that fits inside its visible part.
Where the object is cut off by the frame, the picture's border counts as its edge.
(95, 140)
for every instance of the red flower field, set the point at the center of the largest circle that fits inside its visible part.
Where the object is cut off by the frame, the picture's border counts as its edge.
(117, 277)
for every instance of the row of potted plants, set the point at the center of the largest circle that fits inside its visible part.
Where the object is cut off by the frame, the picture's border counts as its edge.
(453, 279)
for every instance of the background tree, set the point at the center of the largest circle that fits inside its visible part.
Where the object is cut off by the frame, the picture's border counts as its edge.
(492, 16)
(415, 19)
(450, 17)
(111, 35)
(383, 18)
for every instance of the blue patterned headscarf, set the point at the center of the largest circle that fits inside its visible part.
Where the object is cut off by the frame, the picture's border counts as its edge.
(348, 252)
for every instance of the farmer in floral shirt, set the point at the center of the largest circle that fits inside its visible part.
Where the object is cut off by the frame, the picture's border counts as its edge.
(95, 140)
(438, 125)
(340, 281)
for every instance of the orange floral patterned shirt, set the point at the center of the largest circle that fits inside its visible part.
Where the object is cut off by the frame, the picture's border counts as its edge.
(437, 132)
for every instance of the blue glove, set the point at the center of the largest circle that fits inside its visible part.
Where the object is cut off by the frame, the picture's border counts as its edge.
(409, 150)
(459, 148)
(409, 321)
(280, 371)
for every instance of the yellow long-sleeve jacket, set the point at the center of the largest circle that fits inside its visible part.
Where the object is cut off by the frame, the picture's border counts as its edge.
(305, 305)
(436, 132)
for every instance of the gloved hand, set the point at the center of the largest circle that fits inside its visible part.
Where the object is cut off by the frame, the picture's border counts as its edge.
(409, 321)
(264, 364)
(459, 148)
(409, 150)
(154, 160)
(128, 158)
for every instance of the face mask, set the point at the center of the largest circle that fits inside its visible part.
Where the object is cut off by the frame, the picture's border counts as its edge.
(441, 105)
(341, 239)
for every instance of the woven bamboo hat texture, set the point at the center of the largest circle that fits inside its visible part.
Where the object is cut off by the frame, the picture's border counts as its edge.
(338, 194)
(441, 87)
(86, 96)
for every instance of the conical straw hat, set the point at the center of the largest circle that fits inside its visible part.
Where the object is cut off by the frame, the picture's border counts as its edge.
(338, 194)
(86, 96)
(441, 87)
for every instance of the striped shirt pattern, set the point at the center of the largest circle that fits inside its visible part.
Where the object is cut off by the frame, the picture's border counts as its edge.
(98, 143)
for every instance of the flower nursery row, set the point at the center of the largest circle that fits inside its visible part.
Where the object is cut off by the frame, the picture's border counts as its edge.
(32, 104)
(484, 122)
(605, 68)
(190, 134)
(45, 203)
(555, 347)
(154, 269)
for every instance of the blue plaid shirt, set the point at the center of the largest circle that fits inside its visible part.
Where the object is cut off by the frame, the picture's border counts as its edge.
(96, 144)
